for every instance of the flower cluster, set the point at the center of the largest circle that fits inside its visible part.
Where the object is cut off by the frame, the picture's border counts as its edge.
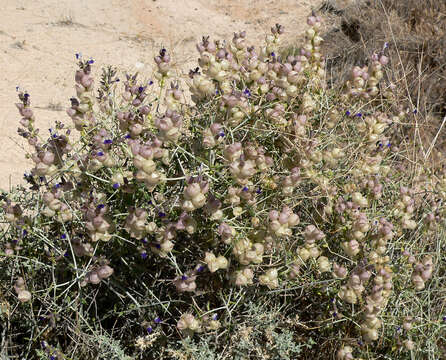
(215, 263)
(195, 194)
(81, 110)
(364, 82)
(310, 248)
(144, 155)
(163, 65)
(422, 272)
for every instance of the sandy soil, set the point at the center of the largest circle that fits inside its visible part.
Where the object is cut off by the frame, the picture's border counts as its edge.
(39, 39)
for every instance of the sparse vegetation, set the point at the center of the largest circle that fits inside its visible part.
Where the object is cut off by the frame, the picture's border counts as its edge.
(67, 21)
(415, 32)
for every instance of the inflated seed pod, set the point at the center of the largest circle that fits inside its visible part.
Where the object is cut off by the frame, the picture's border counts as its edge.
(104, 272)
(270, 278)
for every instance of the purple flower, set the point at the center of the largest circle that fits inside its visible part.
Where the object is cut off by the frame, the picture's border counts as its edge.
(128, 136)
(273, 54)
(161, 214)
(358, 115)
(215, 317)
(444, 318)
(17, 88)
(200, 268)
(335, 314)
(63, 236)
(221, 134)
(100, 153)
(57, 186)
(158, 246)
(245, 189)
(66, 254)
(415, 111)
(144, 255)
(140, 89)
(157, 320)
(100, 206)
(116, 186)
(78, 55)
(258, 191)
(150, 82)
(184, 277)
(389, 145)
(52, 357)
(247, 92)
(108, 141)
(149, 329)
(91, 61)
(347, 113)
(24, 232)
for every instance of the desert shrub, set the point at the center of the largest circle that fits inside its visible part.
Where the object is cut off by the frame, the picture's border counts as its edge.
(415, 33)
(270, 218)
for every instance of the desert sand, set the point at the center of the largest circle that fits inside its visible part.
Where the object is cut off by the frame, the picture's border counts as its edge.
(39, 40)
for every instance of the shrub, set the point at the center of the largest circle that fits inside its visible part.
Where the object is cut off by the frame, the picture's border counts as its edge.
(270, 218)
(415, 33)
